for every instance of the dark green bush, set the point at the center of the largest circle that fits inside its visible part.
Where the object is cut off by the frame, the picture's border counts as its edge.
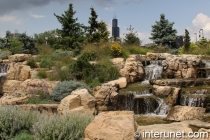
(65, 88)
(46, 63)
(31, 63)
(42, 74)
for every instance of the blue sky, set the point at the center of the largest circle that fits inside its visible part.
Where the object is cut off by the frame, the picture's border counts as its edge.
(36, 16)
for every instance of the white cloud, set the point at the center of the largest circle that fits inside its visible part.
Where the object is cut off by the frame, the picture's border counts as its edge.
(9, 18)
(144, 37)
(201, 21)
(36, 16)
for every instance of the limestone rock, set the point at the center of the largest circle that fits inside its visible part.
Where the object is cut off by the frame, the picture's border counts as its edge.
(10, 100)
(121, 82)
(173, 127)
(31, 85)
(180, 113)
(119, 62)
(10, 86)
(133, 69)
(119, 125)
(19, 57)
(49, 109)
(87, 100)
(80, 100)
(18, 72)
(106, 97)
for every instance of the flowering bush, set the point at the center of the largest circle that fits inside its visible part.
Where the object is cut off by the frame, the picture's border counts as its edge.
(116, 49)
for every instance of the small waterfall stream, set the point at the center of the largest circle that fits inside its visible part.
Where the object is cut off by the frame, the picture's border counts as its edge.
(3, 69)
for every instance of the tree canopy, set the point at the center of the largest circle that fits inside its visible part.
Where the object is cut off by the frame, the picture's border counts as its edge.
(186, 40)
(72, 31)
(131, 37)
(163, 32)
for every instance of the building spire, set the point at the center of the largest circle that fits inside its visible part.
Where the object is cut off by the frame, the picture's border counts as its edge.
(114, 17)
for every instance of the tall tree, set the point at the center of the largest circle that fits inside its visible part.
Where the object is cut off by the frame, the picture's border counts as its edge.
(131, 37)
(71, 32)
(163, 32)
(92, 35)
(186, 40)
(102, 32)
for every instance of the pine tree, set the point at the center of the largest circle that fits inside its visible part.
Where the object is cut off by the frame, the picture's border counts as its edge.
(102, 32)
(186, 40)
(163, 32)
(71, 32)
(131, 37)
(92, 35)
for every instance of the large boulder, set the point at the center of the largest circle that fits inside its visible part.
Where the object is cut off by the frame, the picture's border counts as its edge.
(11, 100)
(18, 72)
(19, 57)
(34, 85)
(80, 100)
(133, 69)
(119, 62)
(181, 66)
(181, 113)
(118, 125)
(169, 93)
(178, 127)
(106, 97)
(120, 82)
(10, 86)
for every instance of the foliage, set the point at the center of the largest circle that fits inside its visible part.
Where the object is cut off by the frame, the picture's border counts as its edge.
(51, 37)
(71, 32)
(4, 54)
(62, 53)
(116, 49)
(46, 63)
(131, 37)
(193, 49)
(202, 43)
(28, 44)
(31, 63)
(102, 31)
(92, 35)
(163, 32)
(42, 74)
(23, 135)
(62, 127)
(40, 98)
(45, 50)
(16, 46)
(65, 88)
(133, 49)
(186, 40)
(14, 119)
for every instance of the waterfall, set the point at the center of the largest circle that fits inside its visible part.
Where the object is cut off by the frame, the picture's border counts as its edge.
(154, 70)
(163, 108)
(193, 100)
(3, 69)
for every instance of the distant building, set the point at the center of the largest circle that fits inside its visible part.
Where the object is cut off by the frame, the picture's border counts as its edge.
(180, 41)
(115, 28)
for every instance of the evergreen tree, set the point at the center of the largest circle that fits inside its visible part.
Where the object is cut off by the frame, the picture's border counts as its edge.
(186, 40)
(163, 32)
(92, 35)
(131, 37)
(102, 32)
(71, 32)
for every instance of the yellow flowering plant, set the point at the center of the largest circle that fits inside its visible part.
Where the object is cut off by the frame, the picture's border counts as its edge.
(116, 49)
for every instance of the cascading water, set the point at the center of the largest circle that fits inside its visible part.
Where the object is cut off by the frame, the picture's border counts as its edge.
(3, 69)
(205, 72)
(153, 70)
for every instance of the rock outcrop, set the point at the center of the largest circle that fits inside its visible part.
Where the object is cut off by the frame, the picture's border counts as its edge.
(79, 101)
(181, 66)
(106, 97)
(169, 93)
(120, 82)
(181, 113)
(19, 57)
(133, 69)
(116, 125)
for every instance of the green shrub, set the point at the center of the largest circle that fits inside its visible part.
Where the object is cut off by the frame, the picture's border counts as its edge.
(40, 98)
(4, 54)
(193, 49)
(31, 63)
(42, 74)
(14, 119)
(65, 88)
(23, 135)
(62, 127)
(46, 63)
(62, 53)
